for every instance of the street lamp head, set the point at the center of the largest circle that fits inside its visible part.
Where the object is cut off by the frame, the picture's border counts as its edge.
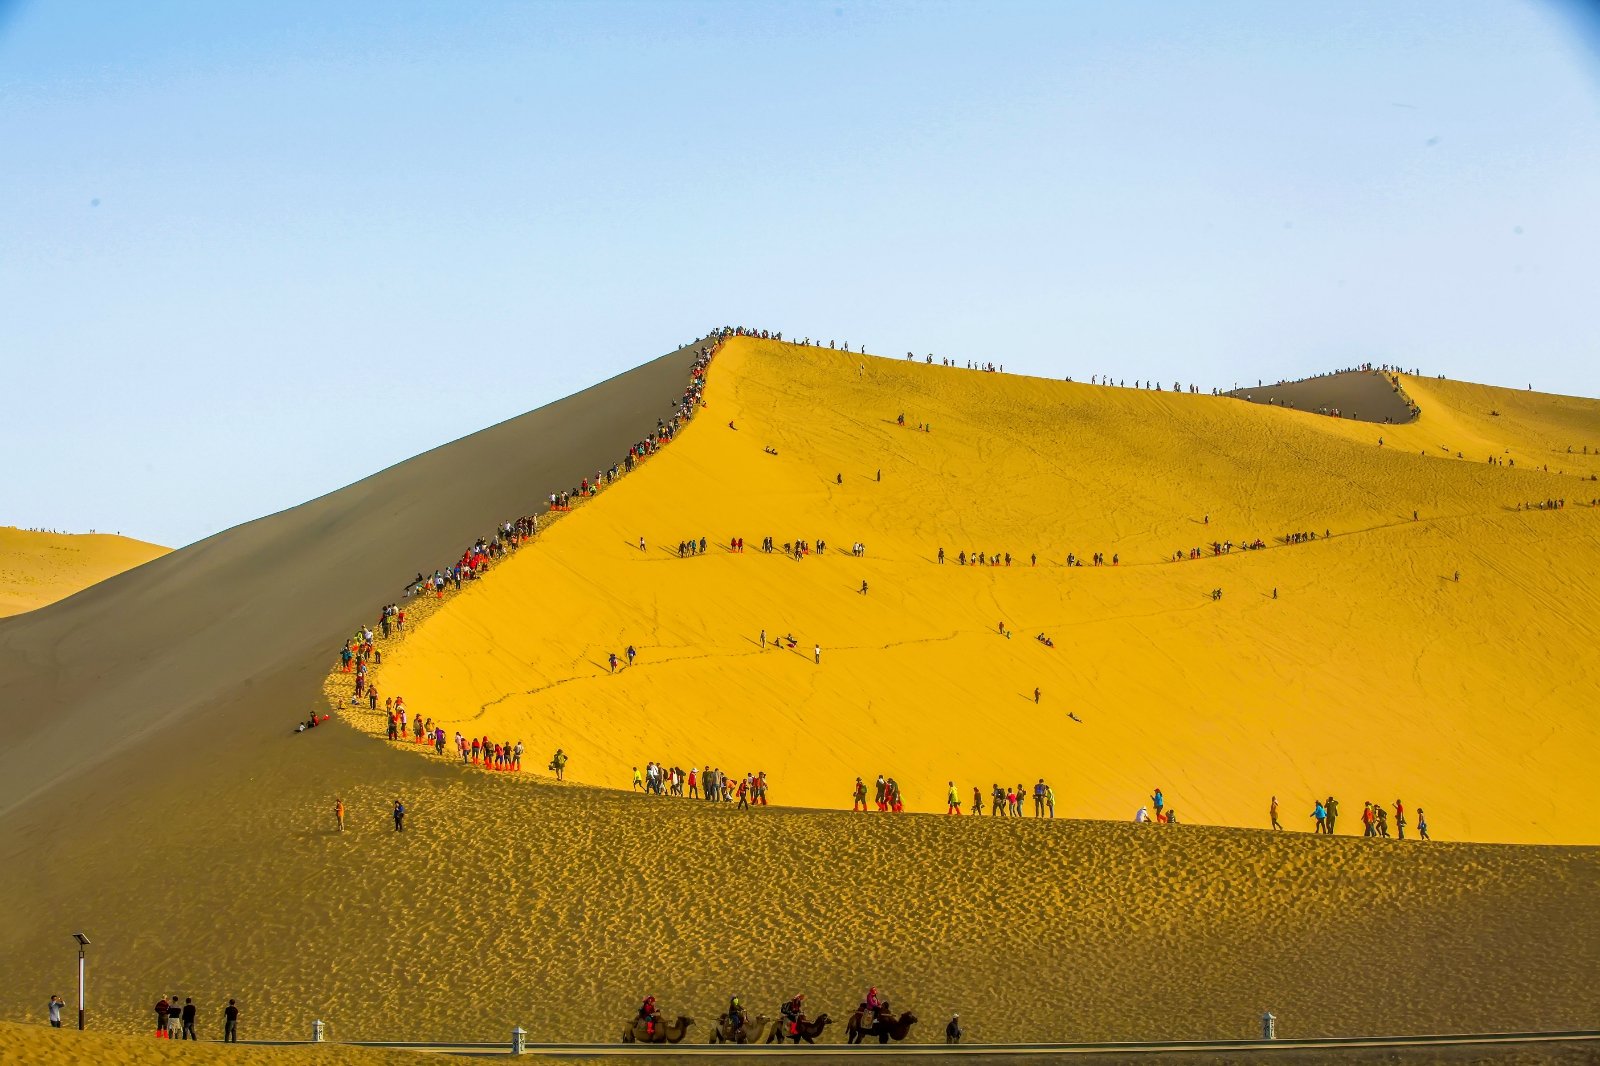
(82, 940)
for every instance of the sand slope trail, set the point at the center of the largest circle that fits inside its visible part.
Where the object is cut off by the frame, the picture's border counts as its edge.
(1373, 675)
(40, 568)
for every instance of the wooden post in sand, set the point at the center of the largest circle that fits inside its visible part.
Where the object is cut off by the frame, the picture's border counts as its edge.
(519, 1040)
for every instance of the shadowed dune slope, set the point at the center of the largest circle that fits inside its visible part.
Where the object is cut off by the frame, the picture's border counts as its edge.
(1361, 395)
(41, 568)
(1355, 665)
(222, 642)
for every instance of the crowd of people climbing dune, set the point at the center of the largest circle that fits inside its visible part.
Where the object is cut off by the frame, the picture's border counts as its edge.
(362, 653)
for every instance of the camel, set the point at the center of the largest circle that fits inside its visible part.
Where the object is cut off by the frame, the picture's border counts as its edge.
(665, 1034)
(754, 1029)
(861, 1026)
(805, 1030)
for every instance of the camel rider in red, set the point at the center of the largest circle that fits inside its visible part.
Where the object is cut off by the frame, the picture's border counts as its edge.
(794, 1012)
(875, 1003)
(649, 1015)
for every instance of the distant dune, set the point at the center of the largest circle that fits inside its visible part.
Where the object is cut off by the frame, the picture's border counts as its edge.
(153, 794)
(1360, 395)
(40, 568)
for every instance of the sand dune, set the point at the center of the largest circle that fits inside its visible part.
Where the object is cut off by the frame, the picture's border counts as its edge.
(1359, 395)
(1373, 675)
(40, 568)
(153, 796)
(225, 641)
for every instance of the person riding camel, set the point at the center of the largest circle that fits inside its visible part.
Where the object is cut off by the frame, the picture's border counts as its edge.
(649, 1015)
(735, 1013)
(876, 1004)
(794, 1012)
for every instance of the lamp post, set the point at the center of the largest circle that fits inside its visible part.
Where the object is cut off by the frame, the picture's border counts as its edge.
(83, 942)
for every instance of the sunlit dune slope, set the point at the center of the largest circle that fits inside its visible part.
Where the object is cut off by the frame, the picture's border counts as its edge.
(41, 568)
(1373, 674)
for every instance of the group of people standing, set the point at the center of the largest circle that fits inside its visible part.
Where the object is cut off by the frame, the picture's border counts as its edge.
(711, 784)
(171, 1017)
(885, 796)
(1374, 819)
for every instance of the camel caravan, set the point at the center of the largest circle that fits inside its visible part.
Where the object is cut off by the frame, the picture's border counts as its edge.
(735, 1026)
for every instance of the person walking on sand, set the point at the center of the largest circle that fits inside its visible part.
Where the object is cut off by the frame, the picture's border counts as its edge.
(858, 797)
(977, 802)
(1400, 819)
(1036, 694)
(816, 654)
(230, 1023)
(638, 784)
(55, 1011)
(1274, 813)
(338, 812)
(188, 1020)
(1331, 806)
(1158, 801)
(952, 801)
(1422, 824)
(399, 817)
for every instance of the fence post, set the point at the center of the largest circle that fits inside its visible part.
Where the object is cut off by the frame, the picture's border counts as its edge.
(519, 1039)
(316, 1031)
(1269, 1026)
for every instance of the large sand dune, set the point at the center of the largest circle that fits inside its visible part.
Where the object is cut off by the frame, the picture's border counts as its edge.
(153, 795)
(40, 568)
(1373, 675)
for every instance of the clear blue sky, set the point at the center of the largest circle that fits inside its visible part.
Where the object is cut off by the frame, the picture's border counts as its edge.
(252, 252)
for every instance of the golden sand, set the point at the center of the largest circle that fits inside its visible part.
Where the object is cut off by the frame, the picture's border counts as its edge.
(41, 568)
(1373, 675)
(558, 907)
